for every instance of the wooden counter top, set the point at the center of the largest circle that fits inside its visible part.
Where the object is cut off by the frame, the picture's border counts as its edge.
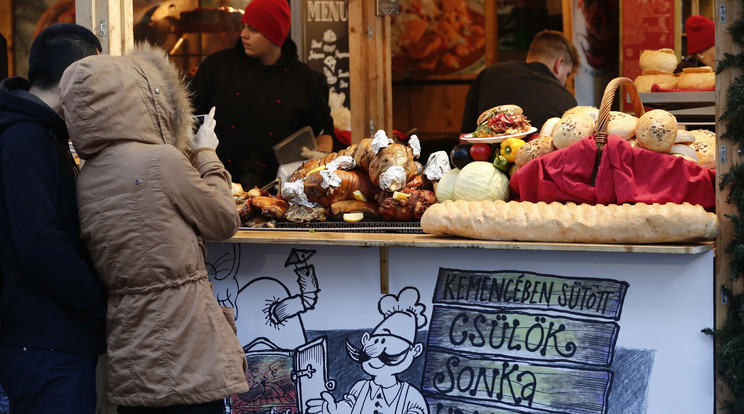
(331, 238)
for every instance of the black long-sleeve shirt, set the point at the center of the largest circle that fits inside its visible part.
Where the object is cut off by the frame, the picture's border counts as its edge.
(257, 106)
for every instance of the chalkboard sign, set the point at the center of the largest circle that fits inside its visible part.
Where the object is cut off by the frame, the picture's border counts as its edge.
(325, 41)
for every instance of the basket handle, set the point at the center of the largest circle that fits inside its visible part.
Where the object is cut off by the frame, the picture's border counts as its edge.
(603, 119)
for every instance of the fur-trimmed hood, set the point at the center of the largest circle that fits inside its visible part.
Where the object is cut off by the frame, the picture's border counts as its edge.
(140, 97)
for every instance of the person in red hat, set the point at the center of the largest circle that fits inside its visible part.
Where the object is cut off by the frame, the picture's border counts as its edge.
(263, 93)
(701, 41)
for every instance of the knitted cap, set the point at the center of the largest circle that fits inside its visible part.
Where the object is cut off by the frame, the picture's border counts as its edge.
(270, 17)
(701, 33)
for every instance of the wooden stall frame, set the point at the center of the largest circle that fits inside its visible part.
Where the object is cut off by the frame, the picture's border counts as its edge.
(370, 71)
(111, 20)
(369, 42)
(727, 12)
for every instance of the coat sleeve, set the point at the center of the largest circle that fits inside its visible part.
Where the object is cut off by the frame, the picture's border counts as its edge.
(201, 192)
(30, 174)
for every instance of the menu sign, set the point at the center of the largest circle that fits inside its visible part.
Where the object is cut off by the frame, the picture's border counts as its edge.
(646, 24)
(325, 38)
(509, 341)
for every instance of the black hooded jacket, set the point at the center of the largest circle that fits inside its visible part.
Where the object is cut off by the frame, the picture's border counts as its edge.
(258, 106)
(57, 301)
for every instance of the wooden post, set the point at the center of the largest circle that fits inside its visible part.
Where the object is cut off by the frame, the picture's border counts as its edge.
(370, 83)
(111, 20)
(6, 28)
(725, 44)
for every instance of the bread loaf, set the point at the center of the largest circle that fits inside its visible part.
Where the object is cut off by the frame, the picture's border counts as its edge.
(645, 81)
(580, 223)
(697, 78)
(664, 60)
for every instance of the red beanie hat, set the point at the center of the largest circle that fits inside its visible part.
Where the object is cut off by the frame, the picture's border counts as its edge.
(701, 33)
(270, 17)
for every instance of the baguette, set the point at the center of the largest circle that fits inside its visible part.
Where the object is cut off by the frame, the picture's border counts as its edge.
(582, 223)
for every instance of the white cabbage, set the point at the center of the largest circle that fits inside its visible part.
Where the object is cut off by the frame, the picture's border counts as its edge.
(445, 188)
(480, 180)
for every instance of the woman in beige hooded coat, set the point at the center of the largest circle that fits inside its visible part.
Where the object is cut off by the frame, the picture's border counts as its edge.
(150, 193)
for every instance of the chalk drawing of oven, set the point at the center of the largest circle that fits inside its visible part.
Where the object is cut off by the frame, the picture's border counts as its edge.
(283, 380)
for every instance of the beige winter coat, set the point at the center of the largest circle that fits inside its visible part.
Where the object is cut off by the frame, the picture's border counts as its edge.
(145, 210)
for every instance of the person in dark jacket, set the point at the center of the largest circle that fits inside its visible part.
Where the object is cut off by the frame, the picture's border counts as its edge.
(537, 85)
(52, 321)
(263, 94)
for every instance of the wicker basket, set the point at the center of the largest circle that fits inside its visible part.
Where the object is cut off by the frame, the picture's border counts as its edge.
(603, 119)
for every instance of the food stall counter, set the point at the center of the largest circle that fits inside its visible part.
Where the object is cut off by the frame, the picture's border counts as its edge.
(387, 239)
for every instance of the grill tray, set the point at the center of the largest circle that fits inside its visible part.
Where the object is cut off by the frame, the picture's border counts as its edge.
(342, 226)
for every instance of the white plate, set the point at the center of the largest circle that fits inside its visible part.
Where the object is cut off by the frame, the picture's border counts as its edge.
(469, 138)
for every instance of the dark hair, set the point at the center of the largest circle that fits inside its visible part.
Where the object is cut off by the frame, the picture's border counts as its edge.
(55, 48)
(553, 44)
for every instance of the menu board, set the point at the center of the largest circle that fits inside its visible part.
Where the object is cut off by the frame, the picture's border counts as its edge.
(325, 39)
(646, 24)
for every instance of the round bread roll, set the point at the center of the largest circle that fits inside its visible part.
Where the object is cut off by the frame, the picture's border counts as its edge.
(592, 111)
(500, 108)
(634, 143)
(665, 80)
(533, 149)
(622, 124)
(684, 137)
(697, 78)
(547, 127)
(704, 135)
(572, 128)
(663, 59)
(706, 153)
(657, 130)
(684, 151)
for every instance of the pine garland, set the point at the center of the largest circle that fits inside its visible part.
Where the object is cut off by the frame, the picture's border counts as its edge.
(730, 338)
(730, 353)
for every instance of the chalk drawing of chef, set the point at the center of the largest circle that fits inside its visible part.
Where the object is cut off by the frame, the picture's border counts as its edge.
(386, 352)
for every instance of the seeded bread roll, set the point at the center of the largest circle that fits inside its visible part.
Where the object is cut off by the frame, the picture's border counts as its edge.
(657, 130)
(622, 124)
(592, 111)
(533, 149)
(664, 60)
(572, 128)
(704, 135)
(706, 153)
(581, 223)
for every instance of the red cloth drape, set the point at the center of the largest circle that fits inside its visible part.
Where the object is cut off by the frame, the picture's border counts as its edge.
(626, 174)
